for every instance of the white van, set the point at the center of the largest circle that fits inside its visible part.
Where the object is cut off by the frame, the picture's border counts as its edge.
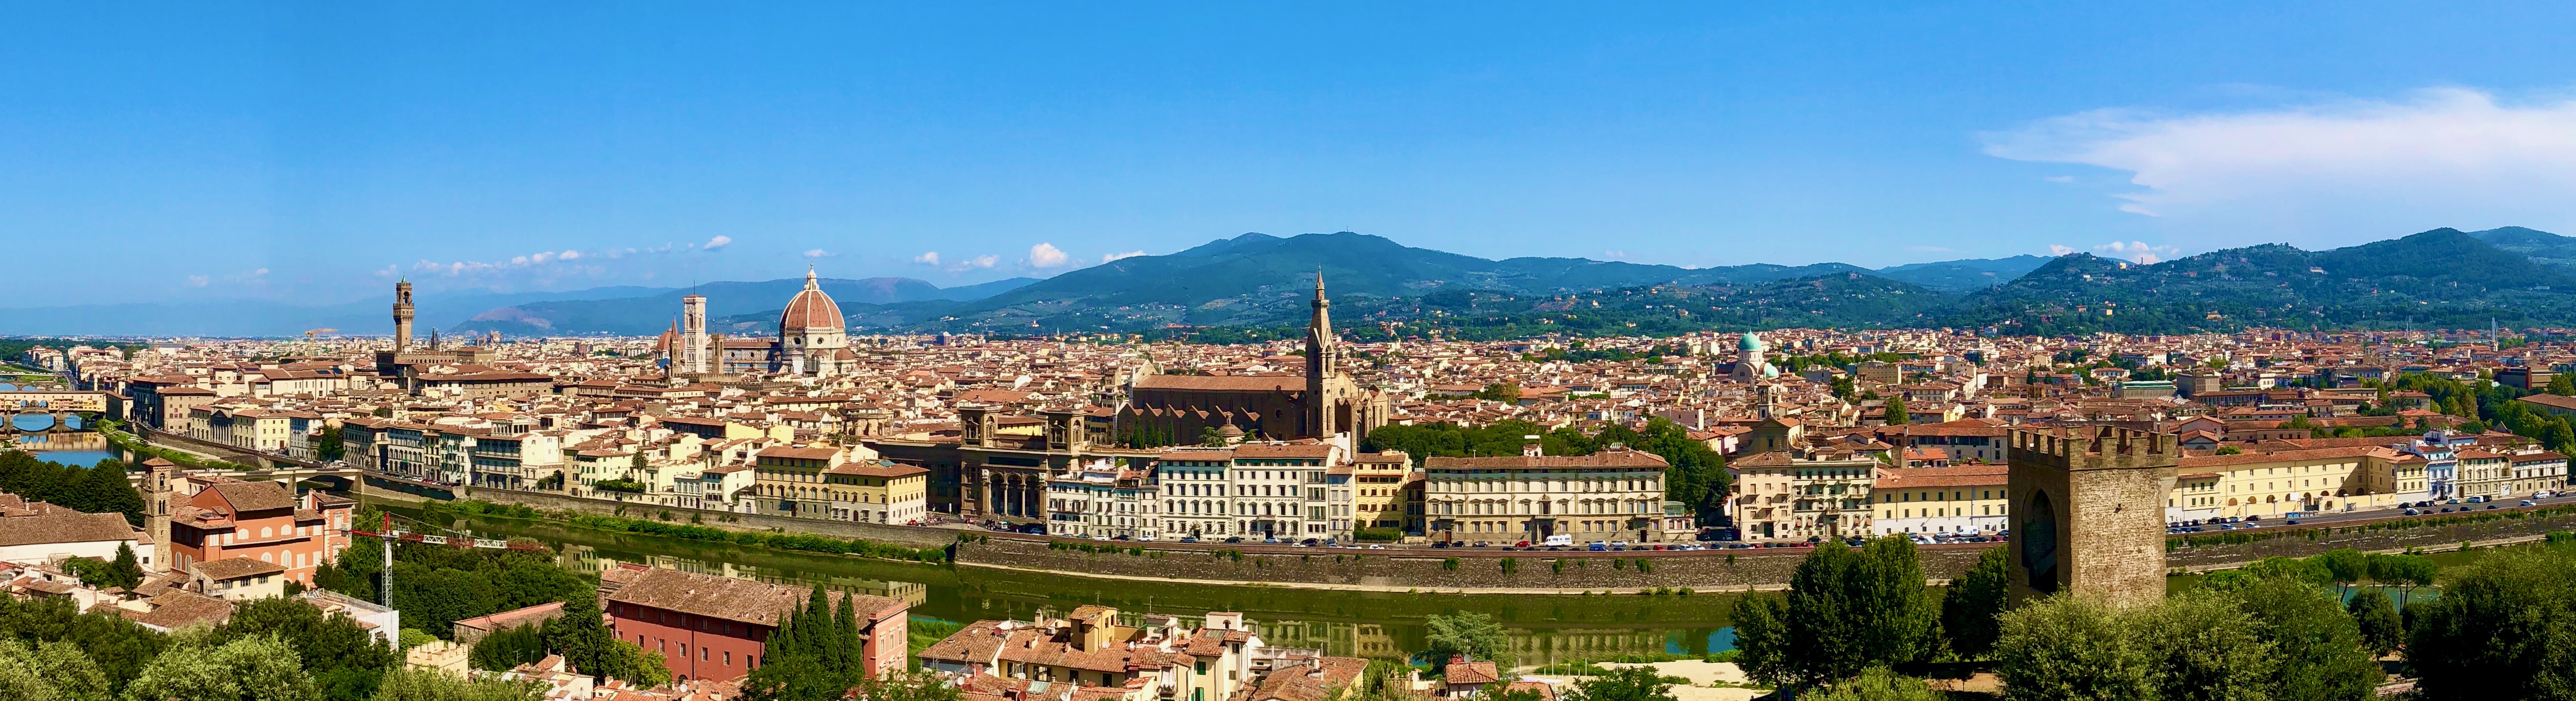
(1557, 541)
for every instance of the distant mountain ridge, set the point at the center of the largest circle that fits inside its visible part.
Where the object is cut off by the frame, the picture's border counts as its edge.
(2438, 278)
(651, 314)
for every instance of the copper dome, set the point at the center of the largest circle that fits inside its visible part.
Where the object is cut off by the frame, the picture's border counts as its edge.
(810, 309)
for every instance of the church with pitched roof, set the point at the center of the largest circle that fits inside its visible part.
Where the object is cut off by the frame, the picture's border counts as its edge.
(1325, 404)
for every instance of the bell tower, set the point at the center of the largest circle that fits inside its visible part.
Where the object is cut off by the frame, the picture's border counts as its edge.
(158, 480)
(2087, 513)
(1320, 354)
(402, 316)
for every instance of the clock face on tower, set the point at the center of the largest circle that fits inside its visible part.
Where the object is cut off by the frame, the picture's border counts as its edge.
(2038, 536)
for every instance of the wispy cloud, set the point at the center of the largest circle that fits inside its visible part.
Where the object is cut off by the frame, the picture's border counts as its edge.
(716, 243)
(196, 281)
(2136, 251)
(2441, 156)
(1046, 255)
(819, 253)
(927, 258)
(1107, 257)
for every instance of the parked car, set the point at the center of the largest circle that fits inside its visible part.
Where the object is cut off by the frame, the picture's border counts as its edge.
(2525, 502)
(1597, 546)
(2413, 512)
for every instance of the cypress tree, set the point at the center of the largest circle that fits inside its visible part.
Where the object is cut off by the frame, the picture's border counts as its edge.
(846, 632)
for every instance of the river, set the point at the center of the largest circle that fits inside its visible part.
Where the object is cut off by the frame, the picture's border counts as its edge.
(1364, 624)
(84, 448)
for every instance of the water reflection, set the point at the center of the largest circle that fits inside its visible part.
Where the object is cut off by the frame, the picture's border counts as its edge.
(1365, 624)
(82, 448)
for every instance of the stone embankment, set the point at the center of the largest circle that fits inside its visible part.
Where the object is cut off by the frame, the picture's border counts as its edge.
(1567, 572)
(1493, 571)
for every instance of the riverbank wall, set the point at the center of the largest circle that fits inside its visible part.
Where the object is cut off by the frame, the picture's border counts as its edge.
(2205, 552)
(376, 487)
(1491, 571)
(1566, 572)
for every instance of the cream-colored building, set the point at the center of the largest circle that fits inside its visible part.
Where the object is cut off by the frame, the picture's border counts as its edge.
(1384, 492)
(2272, 483)
(1957, 500)
(1785, 496)
(1606, 496)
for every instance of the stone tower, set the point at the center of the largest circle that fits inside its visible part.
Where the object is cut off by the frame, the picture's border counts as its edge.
(1320, 353)
(693, 335)
(159, 474)
(402, 316)
(2087, 510)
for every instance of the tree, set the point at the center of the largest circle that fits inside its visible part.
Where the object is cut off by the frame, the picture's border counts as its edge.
(592, 649)
(1623, 684)
(2381, 630)
(508, 648)
(417, 684)
(2067, 649)
(2504, 628)
(49, 672)
(1974, 600)
(1896, 410)
(104, 489)
(344, 659)
(1845, 610)
(1880, 684)
(329, 444)
(124, 571)
(2202, 648)
(2563, 385)
(1475, 636)
(2319, 647)
(257, 668)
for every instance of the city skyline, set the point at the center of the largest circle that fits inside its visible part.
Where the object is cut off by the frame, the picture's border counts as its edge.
(297, 153)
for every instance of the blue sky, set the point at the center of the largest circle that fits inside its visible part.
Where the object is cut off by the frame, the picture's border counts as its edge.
(312, 151)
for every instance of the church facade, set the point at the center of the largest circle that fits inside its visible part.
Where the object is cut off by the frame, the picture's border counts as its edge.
(1325, 404)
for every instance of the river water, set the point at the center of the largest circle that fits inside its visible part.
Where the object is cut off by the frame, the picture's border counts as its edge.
(1364, 624)
(81, 448)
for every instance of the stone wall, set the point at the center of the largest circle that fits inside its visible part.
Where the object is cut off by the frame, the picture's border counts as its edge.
(1416, 569)
(2302, 541)
(897, 535)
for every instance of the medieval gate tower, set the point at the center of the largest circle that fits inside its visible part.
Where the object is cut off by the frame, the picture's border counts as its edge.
(2088, 513)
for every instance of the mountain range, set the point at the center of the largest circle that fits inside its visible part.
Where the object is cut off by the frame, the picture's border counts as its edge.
(2438, 278)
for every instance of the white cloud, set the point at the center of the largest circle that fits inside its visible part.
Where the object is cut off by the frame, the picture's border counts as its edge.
(927, 258)
(259, 272)
(1107, 257)
(569, 255)
(2057, 250)
(1045, 255)
(2137, 251)
(819, 253)
(2357, 168)
(2060, 178)
(976, 263)
(196, 281)
(717, 242)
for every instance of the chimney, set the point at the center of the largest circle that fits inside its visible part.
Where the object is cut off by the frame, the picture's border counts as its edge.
(1532, 447)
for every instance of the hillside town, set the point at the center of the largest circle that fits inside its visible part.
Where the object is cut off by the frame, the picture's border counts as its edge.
(1826, 434)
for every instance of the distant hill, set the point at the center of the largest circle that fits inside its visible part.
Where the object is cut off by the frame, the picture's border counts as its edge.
(2439, 278)
(2540, 246)
(651, 314)
(1964, 275)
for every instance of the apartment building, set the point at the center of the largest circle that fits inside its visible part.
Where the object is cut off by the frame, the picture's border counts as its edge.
(1386, 492)
(1957, 500)
(1786, 496)
(2272, 483)
(1615, 494)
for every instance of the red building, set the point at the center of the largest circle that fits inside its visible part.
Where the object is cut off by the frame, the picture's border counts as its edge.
(228, 518)
(712, 628)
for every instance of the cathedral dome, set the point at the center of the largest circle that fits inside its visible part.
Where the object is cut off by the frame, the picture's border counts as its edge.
(810, 309)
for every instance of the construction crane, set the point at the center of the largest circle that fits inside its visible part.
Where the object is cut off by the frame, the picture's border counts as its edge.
(385, 577)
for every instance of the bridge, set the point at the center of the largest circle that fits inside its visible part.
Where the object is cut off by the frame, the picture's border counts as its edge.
(47, 410)
(266, 466)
